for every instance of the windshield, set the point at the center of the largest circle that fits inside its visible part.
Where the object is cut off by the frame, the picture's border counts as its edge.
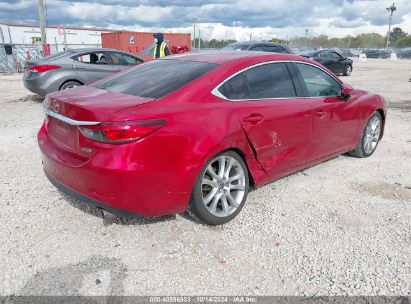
(235, 47)
(156, 78)
(308, 53)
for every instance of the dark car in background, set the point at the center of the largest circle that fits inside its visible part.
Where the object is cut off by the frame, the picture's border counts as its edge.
(377, 53)
(332, 60)
(74, 68)
(258, 47)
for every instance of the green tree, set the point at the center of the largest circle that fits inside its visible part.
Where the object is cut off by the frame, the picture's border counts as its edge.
(404, 41)
(396, 34)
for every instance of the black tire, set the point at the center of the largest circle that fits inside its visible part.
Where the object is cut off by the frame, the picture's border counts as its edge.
(198, 209)
(360, 149)
(70, 84)
(347, 70)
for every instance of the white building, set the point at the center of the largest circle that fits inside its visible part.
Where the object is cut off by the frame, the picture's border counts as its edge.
(57, 36)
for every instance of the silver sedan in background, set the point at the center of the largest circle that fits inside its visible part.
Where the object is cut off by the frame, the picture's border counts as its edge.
(74, 68)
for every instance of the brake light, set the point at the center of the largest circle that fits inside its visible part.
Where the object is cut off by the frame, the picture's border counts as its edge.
(43, 68)
(122, 132)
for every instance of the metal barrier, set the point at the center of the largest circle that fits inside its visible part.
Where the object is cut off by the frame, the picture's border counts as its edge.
(14, 62)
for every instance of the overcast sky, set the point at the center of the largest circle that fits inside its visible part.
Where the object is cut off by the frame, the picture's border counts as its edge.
(219, 18)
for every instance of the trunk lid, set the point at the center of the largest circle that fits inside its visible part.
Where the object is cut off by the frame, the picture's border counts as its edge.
(91, 104)
(82, 105)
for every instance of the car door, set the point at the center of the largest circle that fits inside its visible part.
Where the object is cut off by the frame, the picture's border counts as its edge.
(276, 122)
(335, 119)
(325, 58)
(91, 66)
(121, 61)
(338, 62)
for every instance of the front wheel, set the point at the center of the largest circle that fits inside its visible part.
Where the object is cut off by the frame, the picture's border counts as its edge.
(347, 70)
(221, 189)
(370, 137)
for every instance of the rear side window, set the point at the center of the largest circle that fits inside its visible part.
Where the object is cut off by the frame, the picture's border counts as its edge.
(266, 81)
(235, 88)
(270, 81)
(92, 57)
(156, 78)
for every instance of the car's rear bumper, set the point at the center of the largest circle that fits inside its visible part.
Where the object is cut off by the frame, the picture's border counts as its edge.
(88, 200)
(35, 86)
(41, 83)
(115, 180)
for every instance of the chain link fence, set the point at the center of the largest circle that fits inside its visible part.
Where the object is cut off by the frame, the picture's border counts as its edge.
(13, 56)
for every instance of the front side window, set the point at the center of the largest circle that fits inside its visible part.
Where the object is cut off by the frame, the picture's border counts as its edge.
(235, 47)
(123, 59)
(335, 56)
(265, 81)
(318, 82)
(156, 78)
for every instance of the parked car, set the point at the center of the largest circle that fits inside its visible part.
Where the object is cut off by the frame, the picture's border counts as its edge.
(332, 60)
(404, 53)
(377, 53)
(258, 47)
(74, 68)
(197, 131)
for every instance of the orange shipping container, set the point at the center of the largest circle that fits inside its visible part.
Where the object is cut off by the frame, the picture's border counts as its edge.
(137, 42)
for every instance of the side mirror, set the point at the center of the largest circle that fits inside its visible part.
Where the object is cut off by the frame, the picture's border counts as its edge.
(346, 91)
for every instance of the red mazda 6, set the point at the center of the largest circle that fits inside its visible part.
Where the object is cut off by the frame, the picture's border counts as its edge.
(195, 132)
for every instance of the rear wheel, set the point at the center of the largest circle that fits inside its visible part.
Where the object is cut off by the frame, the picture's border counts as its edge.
(69, 85)
(370, 137)
(347, 70)
(221, 189)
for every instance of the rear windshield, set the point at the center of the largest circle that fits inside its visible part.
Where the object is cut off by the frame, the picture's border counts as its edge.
(156, 78)
(57, 55)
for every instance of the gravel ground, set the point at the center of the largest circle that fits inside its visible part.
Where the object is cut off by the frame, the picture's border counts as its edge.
(340, 228)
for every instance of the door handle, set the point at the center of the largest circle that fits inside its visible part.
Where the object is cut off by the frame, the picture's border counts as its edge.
(321, 114)
(253, 118)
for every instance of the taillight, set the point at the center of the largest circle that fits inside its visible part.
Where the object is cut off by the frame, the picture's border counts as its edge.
(43, 68)
(122, 132)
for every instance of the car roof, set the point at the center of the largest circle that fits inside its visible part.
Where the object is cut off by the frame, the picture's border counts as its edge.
(225, 57)
(255, 42)
(82, 50)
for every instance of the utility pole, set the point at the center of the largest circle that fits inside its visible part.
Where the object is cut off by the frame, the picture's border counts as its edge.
(391, 9)
(251, 36)
(65, 38)
(306, 37)
(199, 37)
(194, 33)
(42, 21)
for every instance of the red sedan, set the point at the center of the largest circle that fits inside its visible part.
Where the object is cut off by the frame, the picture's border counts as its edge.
(195, 132)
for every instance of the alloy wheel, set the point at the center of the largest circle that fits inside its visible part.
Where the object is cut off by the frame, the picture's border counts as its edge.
(223, 186)
(348, 70)
(372, 134)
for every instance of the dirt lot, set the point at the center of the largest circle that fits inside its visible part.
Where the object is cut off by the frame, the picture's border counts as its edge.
(342, 227)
